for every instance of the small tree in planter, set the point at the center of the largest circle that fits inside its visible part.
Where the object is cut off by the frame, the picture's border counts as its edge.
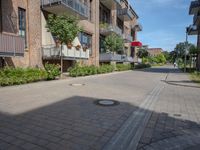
(114, 43)
(65, 28)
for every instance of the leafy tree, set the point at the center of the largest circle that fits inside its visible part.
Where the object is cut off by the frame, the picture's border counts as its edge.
(181, 48)
(114, 43)
(64, 27)
(142, 53)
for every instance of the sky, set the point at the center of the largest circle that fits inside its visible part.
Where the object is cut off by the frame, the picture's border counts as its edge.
(164, 22)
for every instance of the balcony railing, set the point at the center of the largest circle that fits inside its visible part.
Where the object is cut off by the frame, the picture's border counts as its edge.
(125, 14)
(108, 57)
(52, 52)
(194, 7)
(127, 58)
(108, 29)
(127, 37)
(192, 30)
(11, 45)
(196, 19)
(65, 6)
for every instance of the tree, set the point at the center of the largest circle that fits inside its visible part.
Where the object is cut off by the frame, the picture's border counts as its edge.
(181, 48)
(114, 43)
(65, 28)
(142, 53)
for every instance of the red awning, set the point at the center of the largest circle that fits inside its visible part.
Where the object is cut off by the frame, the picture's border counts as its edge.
(136, 44)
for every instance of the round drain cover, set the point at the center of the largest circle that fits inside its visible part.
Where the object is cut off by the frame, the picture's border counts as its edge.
(106, 102)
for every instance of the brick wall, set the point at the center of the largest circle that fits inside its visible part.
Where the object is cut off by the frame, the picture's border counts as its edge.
(32, 55)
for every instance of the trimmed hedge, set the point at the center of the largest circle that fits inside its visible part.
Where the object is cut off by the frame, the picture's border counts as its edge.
(16, 76)
(123, 67)
(141, 66)
(89, 70)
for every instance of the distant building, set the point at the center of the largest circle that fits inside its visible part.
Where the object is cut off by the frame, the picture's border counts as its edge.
(155, 51)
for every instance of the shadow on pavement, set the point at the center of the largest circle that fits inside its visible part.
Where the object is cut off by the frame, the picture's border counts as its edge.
(78, 123)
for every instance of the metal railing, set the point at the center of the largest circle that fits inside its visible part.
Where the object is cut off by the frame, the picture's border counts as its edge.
(53, 52)
(11, 45)
(75, 5)
(111, 28)
(107, 57)
(137, 26)
(125, 12)
(194, 4)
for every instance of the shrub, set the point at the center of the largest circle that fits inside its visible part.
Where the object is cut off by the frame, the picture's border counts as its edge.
(141, 66)
(16, 76)
(89, 70)
(52, 71)
(123, 67)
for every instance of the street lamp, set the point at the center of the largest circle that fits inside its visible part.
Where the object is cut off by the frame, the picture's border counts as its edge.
(186, 47)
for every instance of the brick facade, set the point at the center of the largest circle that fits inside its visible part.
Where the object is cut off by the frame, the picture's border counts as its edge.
(35, 29)
(154, 51)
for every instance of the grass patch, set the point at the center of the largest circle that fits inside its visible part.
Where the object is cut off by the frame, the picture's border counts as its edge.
(195, 76)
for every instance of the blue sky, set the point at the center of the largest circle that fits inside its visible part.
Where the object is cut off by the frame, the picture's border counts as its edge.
(164, 22)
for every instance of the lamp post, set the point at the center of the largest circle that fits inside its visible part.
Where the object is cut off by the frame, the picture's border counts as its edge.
(186, 48)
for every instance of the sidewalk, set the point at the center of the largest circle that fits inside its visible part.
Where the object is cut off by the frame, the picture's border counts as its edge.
(175, 120)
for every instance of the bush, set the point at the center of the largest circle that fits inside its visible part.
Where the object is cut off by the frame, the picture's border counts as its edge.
(124, 67)
(89, 70)
(16, 76)
(141, 66)
(52, 71)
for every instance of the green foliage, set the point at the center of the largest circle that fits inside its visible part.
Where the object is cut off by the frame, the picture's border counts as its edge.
(195, 76)
(123, 67)
(52, 71)
(181, 48)
(142, 53)
(141, 66)
(113, 43)
(103, 25)
(16, 76)
(78, 70)
(64, 27)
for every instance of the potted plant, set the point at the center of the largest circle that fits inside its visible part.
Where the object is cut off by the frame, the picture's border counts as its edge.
(85, 48)
(78, 47)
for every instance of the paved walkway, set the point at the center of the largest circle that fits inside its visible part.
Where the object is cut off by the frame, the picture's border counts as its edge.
(55, 115)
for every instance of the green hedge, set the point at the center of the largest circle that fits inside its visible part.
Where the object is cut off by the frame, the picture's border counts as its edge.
(141, 66)
(195, 76)
(16, 76)
(89, 70)
(123, 67)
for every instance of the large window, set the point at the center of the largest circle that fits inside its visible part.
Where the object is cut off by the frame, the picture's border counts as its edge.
(22, 23)
(86, 41)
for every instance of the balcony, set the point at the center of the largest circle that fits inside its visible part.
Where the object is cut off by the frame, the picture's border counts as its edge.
(196, 19)
(11, 45)
(51, 52)
(125, 14)
(192, 30)
(127, 38)
(194, 7)
(127, 58)
(108, 57)
(106, 29)
(73, 7)
(137, 27)
(110, 3)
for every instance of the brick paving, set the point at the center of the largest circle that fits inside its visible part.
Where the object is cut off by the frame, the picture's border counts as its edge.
(55, 115)
(175, 121)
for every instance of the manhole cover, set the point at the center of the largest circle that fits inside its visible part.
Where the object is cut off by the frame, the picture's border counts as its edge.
(77, 84)
(106, 102)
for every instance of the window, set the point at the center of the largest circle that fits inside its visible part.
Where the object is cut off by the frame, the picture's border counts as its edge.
(22, 23)
(86, 41)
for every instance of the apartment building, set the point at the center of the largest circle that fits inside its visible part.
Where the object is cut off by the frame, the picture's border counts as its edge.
(118, 16)
(25, 41)
(20, 33)
(155, 51)
(194, 29)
